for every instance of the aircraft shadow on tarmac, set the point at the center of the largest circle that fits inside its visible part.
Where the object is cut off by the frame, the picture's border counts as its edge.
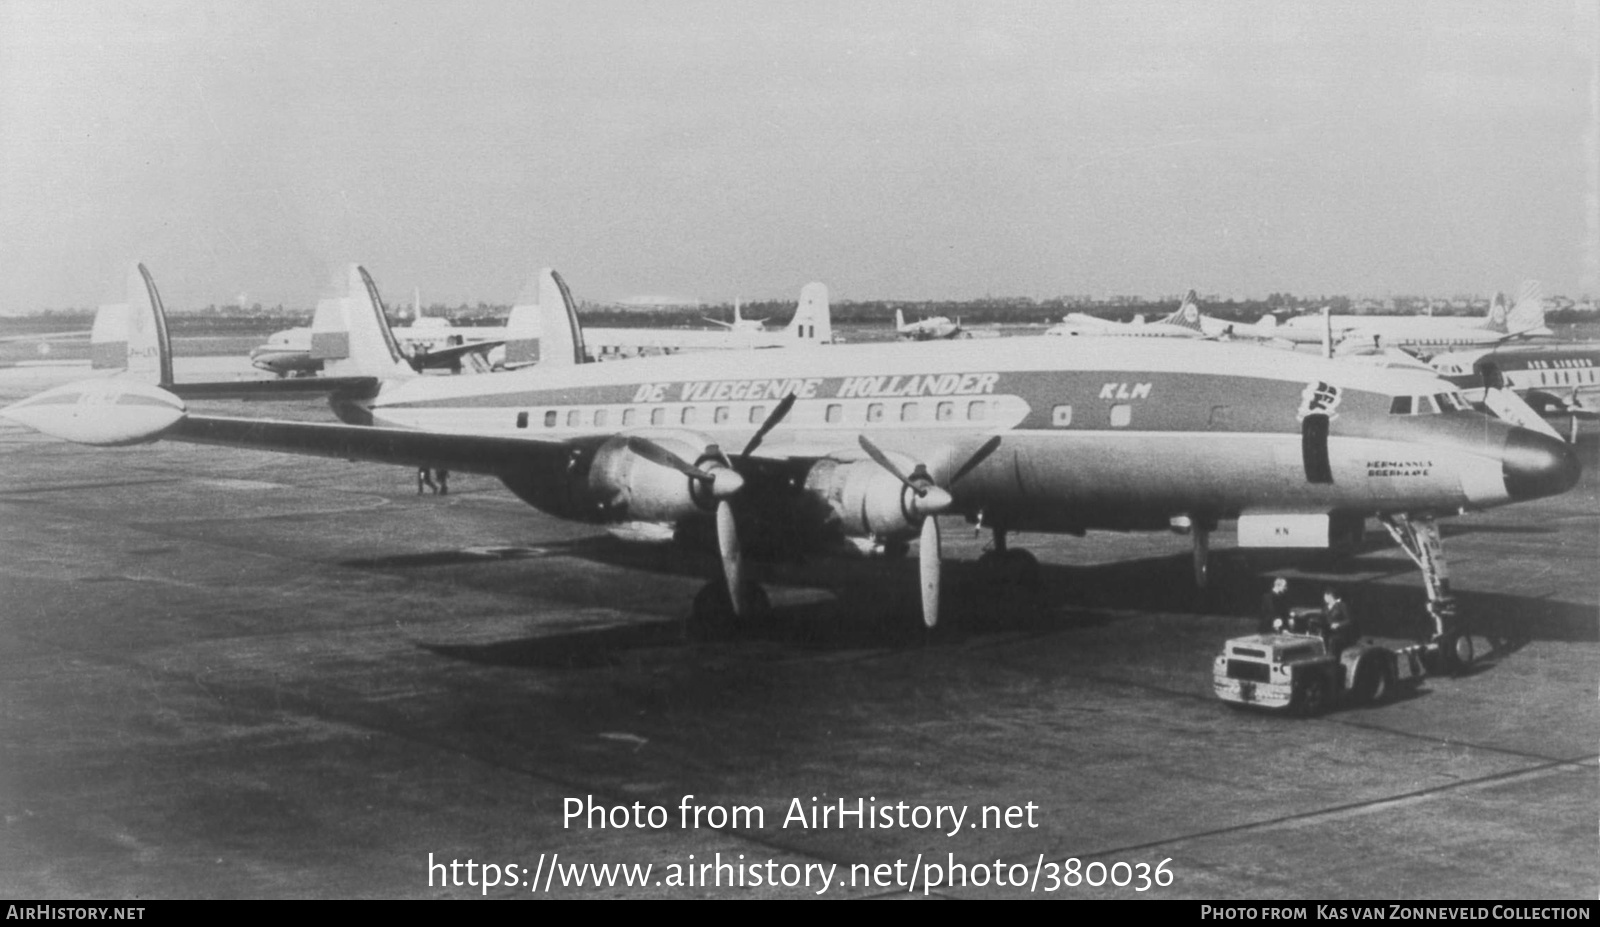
(874, 604)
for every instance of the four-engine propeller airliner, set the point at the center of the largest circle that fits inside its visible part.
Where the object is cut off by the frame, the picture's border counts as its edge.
(866, 445)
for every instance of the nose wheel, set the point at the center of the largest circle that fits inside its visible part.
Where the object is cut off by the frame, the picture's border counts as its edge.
(1418, 536)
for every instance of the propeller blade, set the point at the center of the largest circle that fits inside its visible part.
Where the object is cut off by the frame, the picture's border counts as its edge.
(732, 556)
(977, 457)
(930, 559)
(778, 414)
(883, 461)
(657, 454)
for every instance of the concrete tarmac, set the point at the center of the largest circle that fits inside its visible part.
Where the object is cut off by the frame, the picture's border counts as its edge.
(238, 674)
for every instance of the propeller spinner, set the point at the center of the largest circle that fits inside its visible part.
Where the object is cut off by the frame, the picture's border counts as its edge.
(721, 477)
(925, 499)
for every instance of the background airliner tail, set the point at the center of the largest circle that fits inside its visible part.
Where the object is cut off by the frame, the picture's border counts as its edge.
(543, 327)
(351, 336)
(1496, 320)
(1187, 315)
(813, 320)
(1527, 315)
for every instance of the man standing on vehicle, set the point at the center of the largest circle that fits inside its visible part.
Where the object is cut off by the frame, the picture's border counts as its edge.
(1275, 608)
(1339, 629)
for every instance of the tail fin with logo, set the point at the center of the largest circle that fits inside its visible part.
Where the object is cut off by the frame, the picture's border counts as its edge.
(1187, 315)
(351, 336)
(543, 327)
(813, 322)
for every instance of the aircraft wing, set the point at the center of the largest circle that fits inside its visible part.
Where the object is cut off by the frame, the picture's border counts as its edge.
(462, 452)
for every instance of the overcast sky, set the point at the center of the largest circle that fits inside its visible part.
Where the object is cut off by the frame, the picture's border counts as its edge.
(712, 150)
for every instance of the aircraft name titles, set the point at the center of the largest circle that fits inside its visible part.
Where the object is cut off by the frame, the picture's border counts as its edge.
(1399, 467)
(932, 384)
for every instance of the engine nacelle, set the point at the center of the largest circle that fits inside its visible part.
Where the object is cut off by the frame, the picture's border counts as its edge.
(866, 499)
(631, 488)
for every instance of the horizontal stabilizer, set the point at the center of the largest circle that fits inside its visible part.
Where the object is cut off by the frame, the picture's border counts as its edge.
(276, 390)
(1511, 407)
(106, 412)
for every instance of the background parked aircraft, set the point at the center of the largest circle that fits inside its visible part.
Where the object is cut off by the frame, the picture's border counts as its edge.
(929, 329)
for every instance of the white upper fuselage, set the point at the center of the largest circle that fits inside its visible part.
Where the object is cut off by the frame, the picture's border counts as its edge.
(1102, 421)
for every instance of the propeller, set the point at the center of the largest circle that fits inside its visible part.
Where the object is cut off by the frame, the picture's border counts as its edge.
(718, 474)
(927, 501)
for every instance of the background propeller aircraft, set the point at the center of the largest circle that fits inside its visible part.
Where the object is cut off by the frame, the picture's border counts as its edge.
(934, 328)
(867, 445)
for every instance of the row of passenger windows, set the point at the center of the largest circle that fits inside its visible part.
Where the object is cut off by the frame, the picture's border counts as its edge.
(1555, 377)
(977, 410)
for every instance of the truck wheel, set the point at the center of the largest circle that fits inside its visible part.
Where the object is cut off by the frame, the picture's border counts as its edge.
(1375, 680)
(1312, 699)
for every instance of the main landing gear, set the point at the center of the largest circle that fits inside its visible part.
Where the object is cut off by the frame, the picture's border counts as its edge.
(713, 615)
(1009, 568)
(1418, 536)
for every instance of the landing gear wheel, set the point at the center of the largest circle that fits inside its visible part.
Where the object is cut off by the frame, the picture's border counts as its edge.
(712, 616)
(1456, 652)
(1312, 700)
(1012, 568)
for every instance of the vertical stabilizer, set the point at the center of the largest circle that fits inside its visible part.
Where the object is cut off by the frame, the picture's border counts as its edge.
(1496, 320)
(899, 320)
(813, 321)
(1528, 313)
(132, 336)
(560, 335)
(351, 336)
(1187, 315)
(543, 327)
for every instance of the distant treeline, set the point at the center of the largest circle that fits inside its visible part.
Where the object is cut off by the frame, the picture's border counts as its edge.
(233, 320)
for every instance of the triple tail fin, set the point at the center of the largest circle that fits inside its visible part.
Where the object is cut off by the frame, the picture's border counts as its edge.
(543, 327)
(351, 336)
(813, 322)
(132, 336)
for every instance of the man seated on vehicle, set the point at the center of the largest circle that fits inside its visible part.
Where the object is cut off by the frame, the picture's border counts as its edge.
(1339, 629)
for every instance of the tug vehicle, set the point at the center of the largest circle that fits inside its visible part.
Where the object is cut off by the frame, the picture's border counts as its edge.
(1290, 670)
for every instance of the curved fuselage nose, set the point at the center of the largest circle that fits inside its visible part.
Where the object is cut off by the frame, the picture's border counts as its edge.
(1536, 465)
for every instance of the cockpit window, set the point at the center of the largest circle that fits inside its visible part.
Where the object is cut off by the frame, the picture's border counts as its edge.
(1428, 405)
